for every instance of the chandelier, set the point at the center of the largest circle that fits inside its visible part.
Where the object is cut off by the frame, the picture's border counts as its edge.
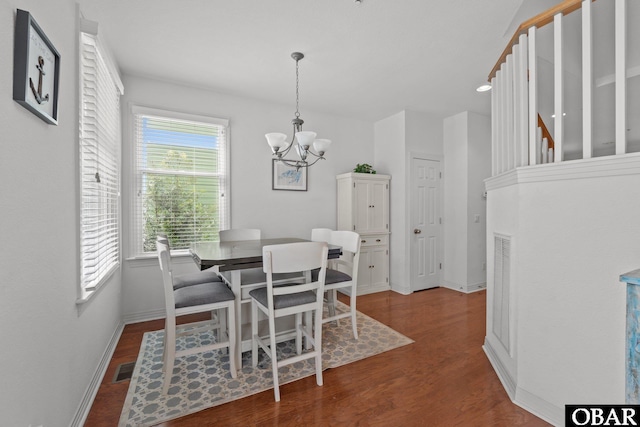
(303, 141)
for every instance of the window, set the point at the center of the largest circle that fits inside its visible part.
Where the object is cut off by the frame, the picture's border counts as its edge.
(100, 139)
(182, 178)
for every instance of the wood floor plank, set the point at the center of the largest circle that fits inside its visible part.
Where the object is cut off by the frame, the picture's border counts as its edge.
(443, 379)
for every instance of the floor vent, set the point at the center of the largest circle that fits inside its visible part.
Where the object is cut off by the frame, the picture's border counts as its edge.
(124, 372)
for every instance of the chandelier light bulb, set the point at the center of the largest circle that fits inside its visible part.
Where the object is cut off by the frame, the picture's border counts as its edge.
(305, 138)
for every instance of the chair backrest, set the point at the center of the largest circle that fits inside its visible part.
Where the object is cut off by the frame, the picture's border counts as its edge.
(162, 237)
(164, 258)
(321, 234)
(236, 234)
(349, 241)
(295, 257)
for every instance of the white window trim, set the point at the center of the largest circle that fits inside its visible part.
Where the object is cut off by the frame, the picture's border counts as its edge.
(135, 177)
(91, 28)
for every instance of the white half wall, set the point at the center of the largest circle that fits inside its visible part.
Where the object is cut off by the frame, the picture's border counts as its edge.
(574, 230)
(51, 348)
(253, 203)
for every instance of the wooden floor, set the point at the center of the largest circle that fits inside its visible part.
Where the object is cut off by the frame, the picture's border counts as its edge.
(443, 379)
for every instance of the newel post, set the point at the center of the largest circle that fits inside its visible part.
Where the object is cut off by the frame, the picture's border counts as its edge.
(632, 346)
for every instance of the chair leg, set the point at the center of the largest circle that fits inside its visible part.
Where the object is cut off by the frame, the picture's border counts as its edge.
(318, 344)
(232, 339)
(254, 333)
(354, 323)
(331, 304)
(274, 358)
(298, 326)
(308, 319)
(169, 353)
(223, 324)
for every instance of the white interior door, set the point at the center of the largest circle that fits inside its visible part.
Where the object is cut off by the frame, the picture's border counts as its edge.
(426, 227)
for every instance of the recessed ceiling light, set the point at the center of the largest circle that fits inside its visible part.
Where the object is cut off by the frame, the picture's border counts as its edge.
(483, 88)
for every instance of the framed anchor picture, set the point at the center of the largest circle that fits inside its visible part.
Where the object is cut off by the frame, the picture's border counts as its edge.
(36, 69)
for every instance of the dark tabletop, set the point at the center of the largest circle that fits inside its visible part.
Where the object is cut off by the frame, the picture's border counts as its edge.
(238, 255)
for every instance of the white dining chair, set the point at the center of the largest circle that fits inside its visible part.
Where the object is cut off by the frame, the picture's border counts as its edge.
(290, 299)
(342, 274)
(188, 279)
(198, 298)
(252, 277)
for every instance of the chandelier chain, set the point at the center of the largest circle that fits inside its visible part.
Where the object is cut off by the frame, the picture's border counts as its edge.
(297, 91)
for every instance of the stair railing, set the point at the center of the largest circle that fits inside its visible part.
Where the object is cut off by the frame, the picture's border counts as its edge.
(516, 122)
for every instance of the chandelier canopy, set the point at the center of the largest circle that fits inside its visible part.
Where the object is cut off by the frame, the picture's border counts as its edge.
(303, 141)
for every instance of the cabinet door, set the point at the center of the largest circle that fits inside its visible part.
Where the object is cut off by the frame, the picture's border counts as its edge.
(364, 270)
(379, 210)
(362, 205)
(379, 258)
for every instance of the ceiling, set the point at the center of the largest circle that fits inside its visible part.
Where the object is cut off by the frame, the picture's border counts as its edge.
(364, 60)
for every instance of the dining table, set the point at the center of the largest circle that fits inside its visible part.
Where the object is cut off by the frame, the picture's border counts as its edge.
(240, 264)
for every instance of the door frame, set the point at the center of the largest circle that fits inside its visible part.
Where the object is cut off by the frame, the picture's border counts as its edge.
(408, 209)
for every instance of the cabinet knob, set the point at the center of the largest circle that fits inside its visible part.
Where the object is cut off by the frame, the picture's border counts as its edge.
(378, 240)
(363, 241)
(417, 231)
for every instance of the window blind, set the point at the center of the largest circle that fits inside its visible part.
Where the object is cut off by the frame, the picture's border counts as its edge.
(100, 138)
(182, 178)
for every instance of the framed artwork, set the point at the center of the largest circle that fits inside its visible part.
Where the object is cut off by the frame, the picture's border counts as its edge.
(286, 177)
(36, 69)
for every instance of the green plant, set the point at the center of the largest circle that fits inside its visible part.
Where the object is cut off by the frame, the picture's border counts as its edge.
(364, 168)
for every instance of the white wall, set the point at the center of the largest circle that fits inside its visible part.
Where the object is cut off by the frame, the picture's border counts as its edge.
(573, 235)
(50, 347)
(467, 162)
(253, 203)
(455, 201)
(396, 137)
(389, 154)
(478, 169)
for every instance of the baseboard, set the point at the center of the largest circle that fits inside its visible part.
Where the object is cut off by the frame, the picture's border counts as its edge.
(92, 389)
(527, 401)
(507, 381)
(539, 407)
(144, 316)
(467, 289)
(477, 287)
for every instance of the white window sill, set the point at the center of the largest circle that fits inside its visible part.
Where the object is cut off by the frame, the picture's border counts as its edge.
(148, 260)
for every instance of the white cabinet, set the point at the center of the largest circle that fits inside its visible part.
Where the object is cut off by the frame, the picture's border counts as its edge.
(363, 207)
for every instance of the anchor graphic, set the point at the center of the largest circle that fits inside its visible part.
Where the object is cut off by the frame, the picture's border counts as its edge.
(38, 94)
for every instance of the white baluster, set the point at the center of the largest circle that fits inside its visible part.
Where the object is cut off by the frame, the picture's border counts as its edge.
(621, 76)
(587, 80)
(534, 150)
(558, 87)
(523, 91)
(538, 155)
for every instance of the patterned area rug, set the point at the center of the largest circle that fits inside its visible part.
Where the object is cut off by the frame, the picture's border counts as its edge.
(202, 380)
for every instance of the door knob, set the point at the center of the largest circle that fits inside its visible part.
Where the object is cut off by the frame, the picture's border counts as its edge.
(416, 231)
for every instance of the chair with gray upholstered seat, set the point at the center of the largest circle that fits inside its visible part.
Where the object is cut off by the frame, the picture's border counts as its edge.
(188, 279)
(251, 277)
(196, 298)
(343, 272)
(290, 299)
